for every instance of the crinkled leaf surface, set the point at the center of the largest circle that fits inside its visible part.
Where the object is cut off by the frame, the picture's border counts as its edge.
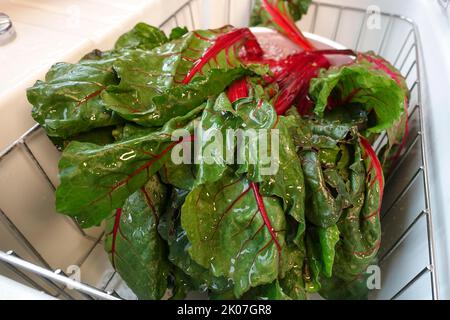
(150, 90)
(360, 224)
(69, 101)
(360, 83)
(294, 8)
(229, 235)
(142, 36)
(97, 179)
(135, 248)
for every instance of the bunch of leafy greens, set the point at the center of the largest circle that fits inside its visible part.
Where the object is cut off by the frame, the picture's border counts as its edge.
(225, 227)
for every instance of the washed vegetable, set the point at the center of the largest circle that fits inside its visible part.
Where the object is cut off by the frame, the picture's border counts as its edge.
(136, 250)
(282, 15)
(219, 170)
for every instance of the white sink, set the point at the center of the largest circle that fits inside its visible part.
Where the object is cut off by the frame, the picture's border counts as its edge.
(12, 290)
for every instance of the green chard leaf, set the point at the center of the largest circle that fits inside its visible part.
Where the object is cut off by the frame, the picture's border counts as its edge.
(398, 132)
(172, 79)
(230, 234)
(213, 143)
(178, 32)
(273, 291)
(97, 179)
(294, 9)
(324, 241)
(338, 289)
(218, 148)
(361, 84)
(324, 147)
(359, 228)
(288, 182)
(135, 248)
(292, 278)
(182, 176)
(360, 224)
(170, 229)
(69, 101)
(202, 278)
(142, 36)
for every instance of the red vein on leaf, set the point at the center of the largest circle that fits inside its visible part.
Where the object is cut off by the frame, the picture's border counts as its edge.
(220, 43)
(369, 251)
(374, 164)
(114, 234)
(295, 77)
(381, 64)
(189, 59)
(249, 239)
(247, 225)
(150, 204)
(264, 215)
(123, 236)
(228, 210)
(199, 36)
(136, 172)
(91, 96)
(225, 187)
(227, 55)
(265, 248)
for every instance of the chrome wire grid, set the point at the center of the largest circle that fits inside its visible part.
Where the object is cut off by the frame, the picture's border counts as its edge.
(409, 176)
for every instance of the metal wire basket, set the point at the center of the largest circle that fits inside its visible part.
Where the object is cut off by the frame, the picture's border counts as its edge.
(407, 257)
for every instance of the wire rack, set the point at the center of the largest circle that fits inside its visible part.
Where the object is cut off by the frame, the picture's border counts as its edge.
(393, 36)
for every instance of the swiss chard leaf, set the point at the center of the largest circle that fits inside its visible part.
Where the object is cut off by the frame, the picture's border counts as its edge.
(285, 175)
(292, 280)
(294, 8)
(199, 277)
(69, 101)
(159, 84)
(282, 14)
(202, 278)
(398, 132)
(213, 145)
(153, 103)
(360, 224)
(178, 32)
(181, 176)
(362, 84)
(287, 182)
(217, 148)
(285, 178)
(142, 36)
(135, 248)
(324, 209)
(235, 232)
(325, 241)
(338, 289)
(273, 291)
(97, 179)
